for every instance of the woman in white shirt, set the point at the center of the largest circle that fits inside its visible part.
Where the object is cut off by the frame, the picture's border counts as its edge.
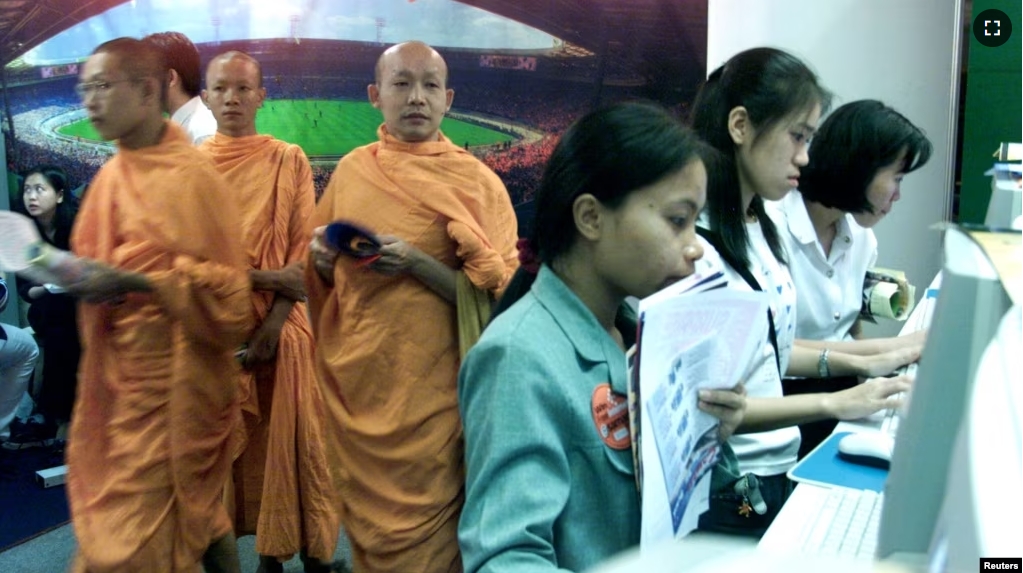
(860, 155)
(760, 110)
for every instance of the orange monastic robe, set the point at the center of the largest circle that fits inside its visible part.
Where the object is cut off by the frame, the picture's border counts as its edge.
(387, 346)
(154, 424)
(284, 491)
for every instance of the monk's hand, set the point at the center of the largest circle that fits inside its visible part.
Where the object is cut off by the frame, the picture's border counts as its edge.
(101, 283)
(262, 345)
(323, 254)
(291, 282)
(728, 406)
(396, 256)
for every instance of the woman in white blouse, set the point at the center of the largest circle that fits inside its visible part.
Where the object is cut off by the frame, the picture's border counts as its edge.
(859, 157)
(857, 162)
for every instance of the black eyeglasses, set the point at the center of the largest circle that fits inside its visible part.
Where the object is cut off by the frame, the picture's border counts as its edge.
(100, 88)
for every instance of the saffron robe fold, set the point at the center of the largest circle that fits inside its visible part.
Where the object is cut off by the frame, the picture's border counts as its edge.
(284, 492)
(154, 422)
(387, 346)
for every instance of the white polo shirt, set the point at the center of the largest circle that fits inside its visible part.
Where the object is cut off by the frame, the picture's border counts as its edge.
(830, 288)
(196, 119)
(773, 452)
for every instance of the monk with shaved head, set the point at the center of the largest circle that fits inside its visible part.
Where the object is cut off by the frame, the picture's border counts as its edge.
(387, 326)
(282, 489)
(165, 303)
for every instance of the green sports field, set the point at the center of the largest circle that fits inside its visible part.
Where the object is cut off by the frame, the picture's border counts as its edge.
(328, 127)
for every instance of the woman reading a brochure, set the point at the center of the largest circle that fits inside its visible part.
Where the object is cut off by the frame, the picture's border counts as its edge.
(546, 488)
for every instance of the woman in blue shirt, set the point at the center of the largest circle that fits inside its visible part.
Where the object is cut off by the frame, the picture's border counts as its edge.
(616, 210)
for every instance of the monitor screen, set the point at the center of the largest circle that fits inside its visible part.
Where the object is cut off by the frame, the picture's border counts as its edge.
(970, 306)
(1005, 207)
(979, 510)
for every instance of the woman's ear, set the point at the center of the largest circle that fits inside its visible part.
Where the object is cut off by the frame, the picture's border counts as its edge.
(739, 127)
(587, 212)
(60, 197)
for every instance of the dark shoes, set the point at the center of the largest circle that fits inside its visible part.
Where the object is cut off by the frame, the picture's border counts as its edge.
(309, 565)
(31, 435)
(269, 565)
(313, 565)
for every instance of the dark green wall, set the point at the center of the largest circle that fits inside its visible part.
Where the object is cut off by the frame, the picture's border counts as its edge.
(994, 99)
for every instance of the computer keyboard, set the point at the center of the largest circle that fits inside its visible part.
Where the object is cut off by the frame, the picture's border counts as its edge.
(910, 369)
(890, 422)
(846, 524)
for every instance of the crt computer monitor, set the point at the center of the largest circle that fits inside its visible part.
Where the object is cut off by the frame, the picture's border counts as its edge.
(970, 305)
(981, 508)
(1006, 204)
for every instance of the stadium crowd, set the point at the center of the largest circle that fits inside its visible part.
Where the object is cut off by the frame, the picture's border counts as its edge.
(539, 101)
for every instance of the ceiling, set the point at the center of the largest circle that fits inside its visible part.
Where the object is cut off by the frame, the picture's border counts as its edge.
(635, 30)
(24, 24)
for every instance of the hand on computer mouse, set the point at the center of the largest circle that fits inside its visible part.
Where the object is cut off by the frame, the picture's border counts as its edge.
(865, 399)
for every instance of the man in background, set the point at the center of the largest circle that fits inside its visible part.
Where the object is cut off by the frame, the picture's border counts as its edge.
(18, 355)
(182, 101)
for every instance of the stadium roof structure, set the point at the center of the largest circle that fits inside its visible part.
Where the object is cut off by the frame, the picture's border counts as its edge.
(652, 33)
(617, 28)
(24, 24)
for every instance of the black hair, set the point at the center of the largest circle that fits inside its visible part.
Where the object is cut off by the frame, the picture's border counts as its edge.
(182, 56)
(64, 216)
(851, 146)
(771, 85)
(608, 153)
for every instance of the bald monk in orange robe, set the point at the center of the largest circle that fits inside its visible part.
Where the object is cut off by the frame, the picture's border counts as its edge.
(283, 488)
(386, 332)
(165, 304)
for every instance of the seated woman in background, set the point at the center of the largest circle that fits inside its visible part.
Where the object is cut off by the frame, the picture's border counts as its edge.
(615, 217)
(858, 159)
(45, 196)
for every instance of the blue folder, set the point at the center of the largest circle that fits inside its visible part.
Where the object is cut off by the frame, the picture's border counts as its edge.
(823, 467)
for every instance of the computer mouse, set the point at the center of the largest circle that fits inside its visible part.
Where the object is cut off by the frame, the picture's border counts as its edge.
(867, 448)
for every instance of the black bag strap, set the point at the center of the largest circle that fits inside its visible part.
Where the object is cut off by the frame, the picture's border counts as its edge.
(715, 241)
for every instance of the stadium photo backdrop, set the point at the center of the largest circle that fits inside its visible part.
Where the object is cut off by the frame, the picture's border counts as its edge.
(522, 71)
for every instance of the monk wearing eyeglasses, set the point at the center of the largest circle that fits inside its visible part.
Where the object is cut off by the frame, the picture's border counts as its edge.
(165, 303)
